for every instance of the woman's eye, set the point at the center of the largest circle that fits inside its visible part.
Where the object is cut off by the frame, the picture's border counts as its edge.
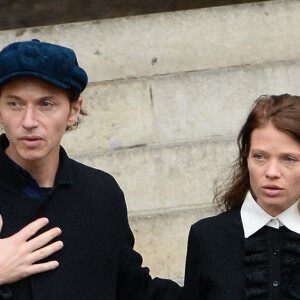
(258, 156)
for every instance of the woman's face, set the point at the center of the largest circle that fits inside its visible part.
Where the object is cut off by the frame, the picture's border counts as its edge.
(274, 167)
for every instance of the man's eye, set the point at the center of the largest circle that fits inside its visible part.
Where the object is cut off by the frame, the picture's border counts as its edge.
(14, 103)
(46, 103)
(290, 159)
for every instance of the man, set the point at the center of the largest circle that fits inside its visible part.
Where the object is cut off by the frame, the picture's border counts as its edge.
(64, 227)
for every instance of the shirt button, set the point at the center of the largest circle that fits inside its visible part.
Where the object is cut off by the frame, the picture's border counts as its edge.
(275, 252)
(275, 283)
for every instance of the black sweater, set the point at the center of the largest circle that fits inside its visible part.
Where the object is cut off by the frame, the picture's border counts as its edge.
(98, 260)
(222, 265)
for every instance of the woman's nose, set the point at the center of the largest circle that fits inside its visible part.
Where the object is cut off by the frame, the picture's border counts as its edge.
(273, 169)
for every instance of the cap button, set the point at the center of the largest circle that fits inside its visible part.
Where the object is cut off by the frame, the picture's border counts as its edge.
(35, 40)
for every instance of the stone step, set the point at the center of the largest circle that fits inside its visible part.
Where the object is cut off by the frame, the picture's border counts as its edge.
(180, 41)
(163, 177)
(161, 238)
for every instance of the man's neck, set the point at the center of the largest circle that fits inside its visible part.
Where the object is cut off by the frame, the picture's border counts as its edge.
(43, 170)
(44, 174)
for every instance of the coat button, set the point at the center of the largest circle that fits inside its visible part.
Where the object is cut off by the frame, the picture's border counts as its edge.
(275, 283)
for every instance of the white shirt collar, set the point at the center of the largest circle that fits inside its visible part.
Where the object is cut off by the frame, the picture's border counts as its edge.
(254, 217)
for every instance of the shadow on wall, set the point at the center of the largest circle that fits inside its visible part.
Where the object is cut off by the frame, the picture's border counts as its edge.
(31, 13)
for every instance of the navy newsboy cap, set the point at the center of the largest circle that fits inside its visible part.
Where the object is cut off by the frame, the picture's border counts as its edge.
(53, 63)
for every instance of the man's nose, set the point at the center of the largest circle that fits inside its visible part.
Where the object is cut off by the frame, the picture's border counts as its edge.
(29, 118)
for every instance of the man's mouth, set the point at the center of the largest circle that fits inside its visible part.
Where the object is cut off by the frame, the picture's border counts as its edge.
(31, 138)
(31, 141)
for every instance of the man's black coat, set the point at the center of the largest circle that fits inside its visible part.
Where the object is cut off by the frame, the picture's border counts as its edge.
(98, 260)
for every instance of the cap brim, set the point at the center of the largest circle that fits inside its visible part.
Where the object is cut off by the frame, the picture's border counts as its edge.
(35, 74)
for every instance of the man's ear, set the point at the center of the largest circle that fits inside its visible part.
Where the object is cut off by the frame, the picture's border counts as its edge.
(74, 112)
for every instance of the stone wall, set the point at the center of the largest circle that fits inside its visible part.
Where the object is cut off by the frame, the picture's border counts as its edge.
(29, 13)
(167, 95)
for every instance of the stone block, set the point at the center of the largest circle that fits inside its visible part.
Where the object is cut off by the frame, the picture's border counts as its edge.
(180, 41)
(178, 108)
(120, 114)
(195, 105)
(161, 239)
(161, 177)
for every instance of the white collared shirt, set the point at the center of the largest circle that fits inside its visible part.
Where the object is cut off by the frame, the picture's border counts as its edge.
(254, 217)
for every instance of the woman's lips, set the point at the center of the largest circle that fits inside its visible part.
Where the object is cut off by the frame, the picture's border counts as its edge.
(272, 190)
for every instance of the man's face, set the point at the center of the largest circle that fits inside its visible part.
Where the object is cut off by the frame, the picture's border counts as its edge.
(35, 114)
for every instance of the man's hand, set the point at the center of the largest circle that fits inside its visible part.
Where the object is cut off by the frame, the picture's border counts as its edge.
(18, 255)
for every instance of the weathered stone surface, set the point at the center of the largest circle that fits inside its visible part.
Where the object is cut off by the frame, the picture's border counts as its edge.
(41, 13)
(163, 177)
(213, 103)
(169, 109)
(178, 41)
(161, 238)
(120, 115)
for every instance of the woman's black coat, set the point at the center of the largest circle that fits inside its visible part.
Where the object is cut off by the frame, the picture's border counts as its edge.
(223, 265)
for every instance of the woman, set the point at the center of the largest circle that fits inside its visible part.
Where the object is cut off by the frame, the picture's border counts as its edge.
(252, 251)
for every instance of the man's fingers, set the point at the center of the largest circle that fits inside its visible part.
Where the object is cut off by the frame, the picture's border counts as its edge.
(45, 251)
(43, 267)
(43, 239)
(32, 228)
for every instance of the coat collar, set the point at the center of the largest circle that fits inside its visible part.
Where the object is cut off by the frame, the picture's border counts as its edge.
(13, 180)
(254, 217)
